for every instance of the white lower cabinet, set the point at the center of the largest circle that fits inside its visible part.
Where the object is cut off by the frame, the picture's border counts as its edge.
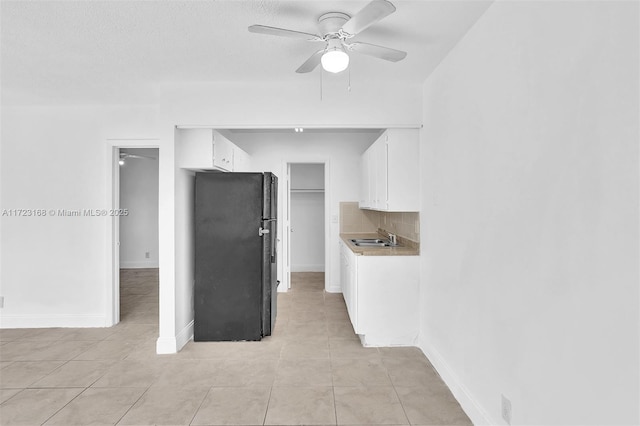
(381, 294)
(348, 278)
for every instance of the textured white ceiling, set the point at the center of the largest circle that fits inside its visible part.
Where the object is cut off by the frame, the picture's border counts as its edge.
(120, 51)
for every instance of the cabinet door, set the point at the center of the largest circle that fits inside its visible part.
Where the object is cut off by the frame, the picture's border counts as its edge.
(403, 170)
(365, 193)
(373, 173)
(388, 315)
(241, 160)
(194, 149)
(353, 307)
(381, 174)
(222, 152)
(344, 273)
(348, 280)
(390, 172)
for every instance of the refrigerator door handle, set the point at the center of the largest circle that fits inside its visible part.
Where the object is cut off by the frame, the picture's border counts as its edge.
(262, 231)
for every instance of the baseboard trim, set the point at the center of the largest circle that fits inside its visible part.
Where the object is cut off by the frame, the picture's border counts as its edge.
(138, 264)
(50, 321)
(307, 268)
(471, 407)
(334, 289)
(184, 336)
(172, 345)
(377, 341)
(166, 345)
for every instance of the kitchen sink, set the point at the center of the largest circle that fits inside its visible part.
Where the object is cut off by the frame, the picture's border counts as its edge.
(382, 244)
(372, 242)
(368, 240)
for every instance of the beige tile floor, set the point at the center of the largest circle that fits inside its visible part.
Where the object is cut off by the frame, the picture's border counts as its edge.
(312, 371)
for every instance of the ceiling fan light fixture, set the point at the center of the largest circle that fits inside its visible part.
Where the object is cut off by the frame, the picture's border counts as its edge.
(335, 59)
(335, 28)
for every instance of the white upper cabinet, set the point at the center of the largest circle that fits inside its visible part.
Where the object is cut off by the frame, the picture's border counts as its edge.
(222, 152)
(381, 177)
(207, 149)
(365, 187)
(241, 160)
(390, 174)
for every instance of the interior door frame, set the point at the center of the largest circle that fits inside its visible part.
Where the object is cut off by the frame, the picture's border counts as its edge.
(113, 146)
(286, 226)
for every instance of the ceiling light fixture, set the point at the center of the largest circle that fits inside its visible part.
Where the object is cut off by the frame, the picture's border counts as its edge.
(298, 129)
(121, 162)
(335, 59)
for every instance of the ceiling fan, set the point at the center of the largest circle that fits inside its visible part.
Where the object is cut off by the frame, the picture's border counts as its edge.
(336, 29)
(125, 155)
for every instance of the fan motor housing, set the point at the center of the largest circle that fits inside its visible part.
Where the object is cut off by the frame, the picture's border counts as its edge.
(330, 23)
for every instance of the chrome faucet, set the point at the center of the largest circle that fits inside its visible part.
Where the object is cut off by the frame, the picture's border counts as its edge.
(392, 239)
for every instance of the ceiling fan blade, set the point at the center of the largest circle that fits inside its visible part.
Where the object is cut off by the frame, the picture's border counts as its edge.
(263, 29)
(124, 155)
(311, 63)
(369, 15)
(381, 52)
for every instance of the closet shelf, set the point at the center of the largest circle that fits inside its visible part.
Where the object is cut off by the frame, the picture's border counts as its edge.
(307, 190)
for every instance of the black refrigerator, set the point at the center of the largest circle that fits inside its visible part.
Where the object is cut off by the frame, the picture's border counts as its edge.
(235, 256)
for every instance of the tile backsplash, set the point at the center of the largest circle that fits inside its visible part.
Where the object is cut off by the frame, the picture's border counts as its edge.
(403, 224)
(352, 219)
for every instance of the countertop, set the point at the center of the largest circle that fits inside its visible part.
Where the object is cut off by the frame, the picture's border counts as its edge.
(403, 249)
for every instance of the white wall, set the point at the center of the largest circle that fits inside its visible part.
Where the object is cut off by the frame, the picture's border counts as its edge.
(307, 218)
(265, 105)
(139, 195)
(176, 242)
(530, 214)
(307, 232)
(54, 268)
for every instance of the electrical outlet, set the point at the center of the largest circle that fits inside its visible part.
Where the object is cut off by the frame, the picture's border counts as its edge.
(146, 255)
(1, 301)
(506, 409)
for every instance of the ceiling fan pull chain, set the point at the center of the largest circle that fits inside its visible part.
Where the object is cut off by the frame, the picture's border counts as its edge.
(321, 73)
(349, 86)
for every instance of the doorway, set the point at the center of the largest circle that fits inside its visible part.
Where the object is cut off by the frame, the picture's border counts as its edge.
(306, 224)
(117, 151)
(138, 235)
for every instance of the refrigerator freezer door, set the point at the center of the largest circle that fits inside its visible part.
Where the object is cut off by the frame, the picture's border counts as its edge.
(228, 295)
